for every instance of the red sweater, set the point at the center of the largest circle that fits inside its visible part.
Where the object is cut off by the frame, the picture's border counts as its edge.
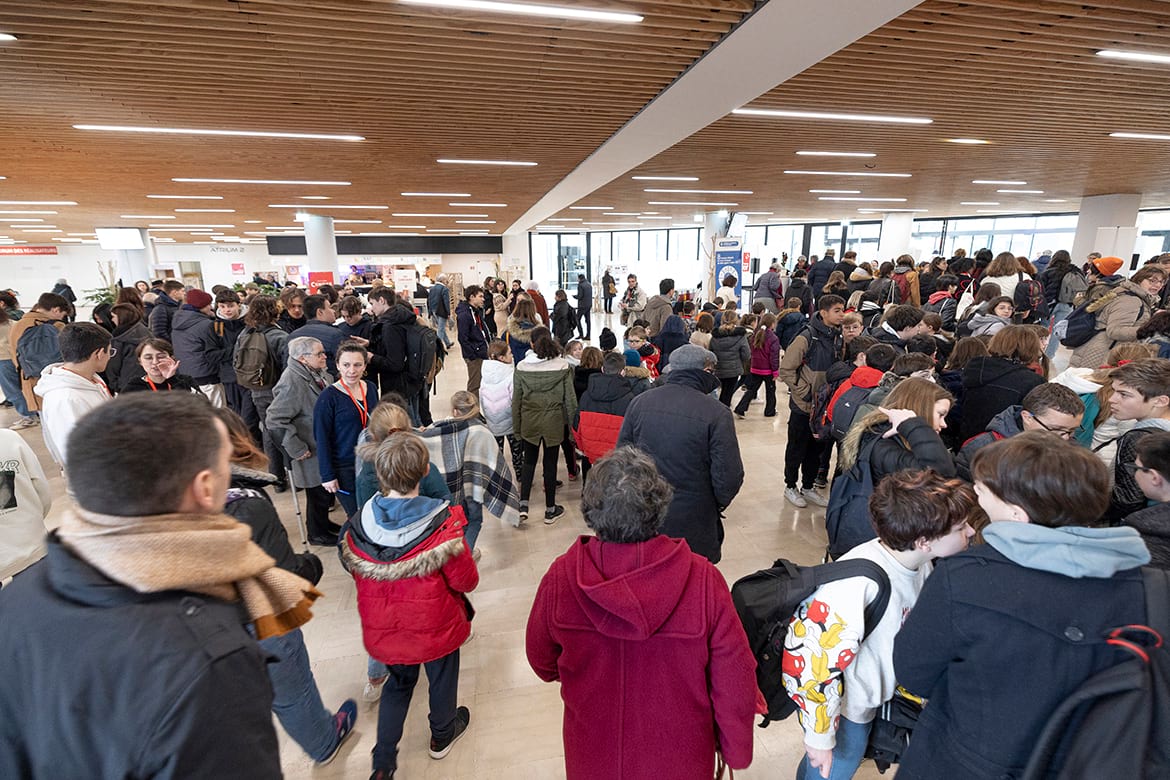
(644, 639)
(862, 376)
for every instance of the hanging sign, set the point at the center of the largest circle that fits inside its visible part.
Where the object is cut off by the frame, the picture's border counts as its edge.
(28, 250)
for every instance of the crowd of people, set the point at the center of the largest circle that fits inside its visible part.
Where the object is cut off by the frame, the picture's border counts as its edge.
(925, 421)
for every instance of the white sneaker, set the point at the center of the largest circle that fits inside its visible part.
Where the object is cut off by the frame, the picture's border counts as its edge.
(373, 691)
(22, 423)
(795, 498)
(815, 497)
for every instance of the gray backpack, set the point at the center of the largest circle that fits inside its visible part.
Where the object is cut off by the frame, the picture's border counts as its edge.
(38, 348)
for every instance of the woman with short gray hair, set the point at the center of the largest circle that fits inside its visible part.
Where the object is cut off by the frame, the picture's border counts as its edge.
(642, 635)
(290, 423)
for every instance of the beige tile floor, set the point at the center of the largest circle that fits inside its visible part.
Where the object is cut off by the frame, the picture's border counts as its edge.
(516, 718)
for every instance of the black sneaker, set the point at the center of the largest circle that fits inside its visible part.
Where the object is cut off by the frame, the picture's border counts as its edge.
(821, 482)
(462, 720)
(552, 515)
(523, 511)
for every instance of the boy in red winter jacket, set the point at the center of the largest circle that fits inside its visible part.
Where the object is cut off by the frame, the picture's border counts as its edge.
(412, 567)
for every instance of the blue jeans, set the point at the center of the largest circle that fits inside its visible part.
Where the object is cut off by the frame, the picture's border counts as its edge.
(441, 326)
(443, 676)
(10, 385)
(296, 701)
(1060, 313)
(847, 755)
(474, 512)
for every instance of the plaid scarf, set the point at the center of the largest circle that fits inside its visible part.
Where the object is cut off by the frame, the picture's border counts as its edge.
(211, 554)
(474, 466)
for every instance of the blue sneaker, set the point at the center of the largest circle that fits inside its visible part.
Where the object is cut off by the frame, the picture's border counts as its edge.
(343, 723)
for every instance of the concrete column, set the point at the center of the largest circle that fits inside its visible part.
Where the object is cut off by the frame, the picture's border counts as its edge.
(714, 226)
(1107, 224)
(135, 264)
(896, 231)
(321, 244)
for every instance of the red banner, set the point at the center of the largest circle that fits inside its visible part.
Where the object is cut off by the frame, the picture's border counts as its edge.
(28, 250)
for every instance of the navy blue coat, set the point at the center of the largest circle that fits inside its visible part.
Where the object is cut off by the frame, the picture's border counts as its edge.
(197, 347)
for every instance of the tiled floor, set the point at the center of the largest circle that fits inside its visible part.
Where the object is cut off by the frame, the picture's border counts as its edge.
(515, 718)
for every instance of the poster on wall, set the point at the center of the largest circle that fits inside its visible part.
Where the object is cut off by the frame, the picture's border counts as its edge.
(728, 257)
(238, 269)
(318, 278)
(292, 273)
(28, 250)
(404, 279)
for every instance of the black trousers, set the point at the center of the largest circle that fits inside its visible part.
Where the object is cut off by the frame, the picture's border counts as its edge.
(569, 447)
(317, 503)
(531, 453)
(751, 383)
(608, 300)
(802, 455)
(583, 326)
(727, 390)
(516, 445)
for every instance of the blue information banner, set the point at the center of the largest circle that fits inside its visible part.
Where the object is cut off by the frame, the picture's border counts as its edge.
(728, 260)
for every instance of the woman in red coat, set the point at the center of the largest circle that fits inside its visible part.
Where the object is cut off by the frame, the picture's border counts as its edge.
(655, 670)
(412, 567)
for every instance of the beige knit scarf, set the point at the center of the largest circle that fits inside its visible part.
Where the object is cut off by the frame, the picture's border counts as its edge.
(212, 554)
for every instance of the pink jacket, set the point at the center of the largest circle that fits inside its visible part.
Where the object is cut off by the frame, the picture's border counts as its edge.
(644, 639)
(766, 359)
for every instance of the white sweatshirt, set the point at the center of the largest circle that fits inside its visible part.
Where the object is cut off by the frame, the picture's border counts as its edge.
(66, 397)
(24, 502)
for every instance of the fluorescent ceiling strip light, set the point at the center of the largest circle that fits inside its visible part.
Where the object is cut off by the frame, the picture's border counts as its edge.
(615, 224)
(967, 141)
(479, 205)
(1141, 136)
(205, 211)
(836, 154)
(515, 163)
(21, 219)
(475, 222)
(43, 230)
(195, 131)
(1134, 56)
(1021, 192)
(665, 178)
(22, 211)
(622, 214)
(445, 230)
(436, 194)
(687, 203)
(264, 181)
(195, 226)
(979, 203)
(146, 216)
(866, 200)
(357, 222)
(850, 173)
(836, 192)
(998, 181)
(1000, 211)
(655, 217)
(188, 197)
(387, 234)
(592, 208)
(7, 37)
(881, 118)
(563, 219)
(38, 202)
(327, 208)
(887, 211)
(758, 213)
(703, 192)
(1055, 200)
(406, 227)
(314, 197)
(452, 216)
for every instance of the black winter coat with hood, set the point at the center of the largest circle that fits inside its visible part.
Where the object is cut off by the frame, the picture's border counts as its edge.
(388, 352)
(992, 384)
(197, 347)
(248, 502)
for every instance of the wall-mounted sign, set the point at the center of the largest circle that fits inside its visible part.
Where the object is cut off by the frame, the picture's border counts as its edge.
(28, 250)
(227, 250)
(238, 269)
(728, 259)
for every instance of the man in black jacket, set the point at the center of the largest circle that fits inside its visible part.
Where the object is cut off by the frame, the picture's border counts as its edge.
(165, 307)
(584, 306)
(388, 353)
(141, 666)
(691, 437)
(473, 335)
(819, 273)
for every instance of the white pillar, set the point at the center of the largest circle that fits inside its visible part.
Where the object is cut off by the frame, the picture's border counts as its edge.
(321, 244)
(1107, 224)
(714, 226)
(896, 231)
(135, 264)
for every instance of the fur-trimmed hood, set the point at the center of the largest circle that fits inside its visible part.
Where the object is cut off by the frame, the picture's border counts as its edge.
(396, 538)
(417, 565)
(520, 330)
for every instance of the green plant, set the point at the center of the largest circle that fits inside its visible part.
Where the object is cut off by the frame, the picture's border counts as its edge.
(107, 294)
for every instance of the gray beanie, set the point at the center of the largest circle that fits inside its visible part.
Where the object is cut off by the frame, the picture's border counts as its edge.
(691, 356)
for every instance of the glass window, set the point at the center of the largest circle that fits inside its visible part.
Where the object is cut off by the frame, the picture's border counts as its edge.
(684, 246)
(825, 237)
(1153, 220)
(785, 239)
(625, 253)
(572, 259)
(544, 259)
(600, 253)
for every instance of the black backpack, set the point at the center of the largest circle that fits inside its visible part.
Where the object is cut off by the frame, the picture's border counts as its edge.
(421, 348)
(38, 348)
(1081, 325)
(1117, 723)
(1029, 297)
(847, 518)
(845, 410)
(766, 603)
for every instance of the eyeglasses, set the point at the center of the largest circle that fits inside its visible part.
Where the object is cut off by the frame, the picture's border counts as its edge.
(322, 353)
(1064, 433)
(112, 351)
(1134, 468)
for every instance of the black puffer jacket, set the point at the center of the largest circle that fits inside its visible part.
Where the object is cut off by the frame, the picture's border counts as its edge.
(124, 367)
(388, 353)
(162, 685)
(197, 348)
(916, 446)
(992, 384)
(248, 503)
(691, 437)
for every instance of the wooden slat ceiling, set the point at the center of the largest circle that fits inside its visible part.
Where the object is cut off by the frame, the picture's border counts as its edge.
(1022, 74)
(419, 83)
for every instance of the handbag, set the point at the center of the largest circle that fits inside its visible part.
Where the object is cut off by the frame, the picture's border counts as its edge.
(890, 734)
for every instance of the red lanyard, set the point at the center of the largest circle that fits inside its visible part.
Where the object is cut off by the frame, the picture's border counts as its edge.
(153, 387)
(361, 407)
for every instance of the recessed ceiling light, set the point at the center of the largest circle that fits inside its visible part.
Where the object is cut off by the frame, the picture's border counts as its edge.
(591, 208)
(314, 197)
(836, 192)
(253, 221)
(531, 9)
(264, 181)
(147, 216)
(1055, 200)
(1134, 56)
(357, 222)
(181, 227)
(849, 173)
(475, 222)
(407, 227)
(7, 37)
(42, 230)
(563, 219)
(206, 211)
(887, 211)
(687, 203)
(1141, 136)
(1022, 192)
(866, 200)
(902, 120)
(330, 207)
(836, 154)
(188, 197)
(21, 219)
(38, 202)
(665, 178)
(1008, 182)
(444, 230)
(22, 211)
(622, 214)
(453, 216)
(980, 203)
(436, 194)
(649, 217)
(968, 141)
(479, 205)
(194, 131)
(517, 163)
(703, 192)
